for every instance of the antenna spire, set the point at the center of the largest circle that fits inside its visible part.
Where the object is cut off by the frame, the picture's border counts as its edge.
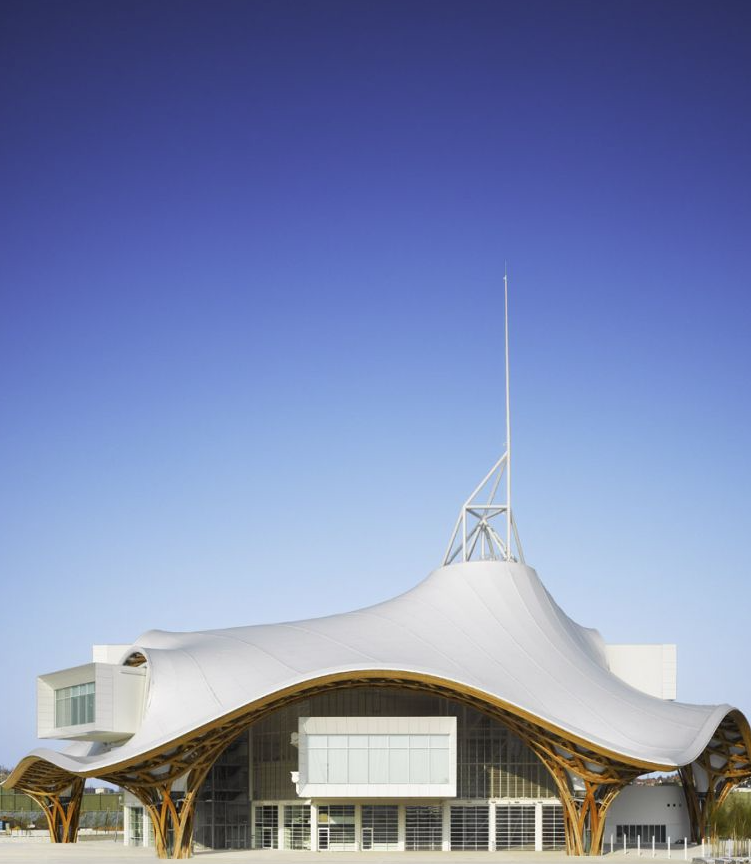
(508, 418)
(475, 535)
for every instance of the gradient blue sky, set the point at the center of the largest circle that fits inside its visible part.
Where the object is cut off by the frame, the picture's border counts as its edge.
(251, 338)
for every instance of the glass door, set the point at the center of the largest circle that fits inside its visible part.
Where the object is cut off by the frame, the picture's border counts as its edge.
(367, 838)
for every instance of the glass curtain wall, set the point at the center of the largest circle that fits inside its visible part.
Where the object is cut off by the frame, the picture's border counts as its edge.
(424, 828)
(266, 826)
(470, 827)
(297, 826)
(336, 827)
(74, 705)
(553, 828)
(223, 806)
(136, 826)
(515, 826)
(380, 827)
(491, 761)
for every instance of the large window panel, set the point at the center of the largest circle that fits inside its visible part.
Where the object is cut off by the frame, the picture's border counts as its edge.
(358, 766)
(374, 759)
(439, 766)
(337, 766)
(317, 764)
(379, 766)
(419, 766)
(74, 705)
(399, 771)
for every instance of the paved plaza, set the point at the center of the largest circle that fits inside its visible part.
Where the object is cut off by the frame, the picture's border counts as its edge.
(22, 851)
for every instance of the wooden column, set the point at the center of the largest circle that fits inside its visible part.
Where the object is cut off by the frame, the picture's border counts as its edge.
(584, 811)
(702, 805)
(171, 804)
(62, 810)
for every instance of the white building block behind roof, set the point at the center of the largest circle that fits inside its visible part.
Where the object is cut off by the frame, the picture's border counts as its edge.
(108, 653)
(650, 668)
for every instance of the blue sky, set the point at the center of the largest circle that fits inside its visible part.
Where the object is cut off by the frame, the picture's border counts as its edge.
(251, 335)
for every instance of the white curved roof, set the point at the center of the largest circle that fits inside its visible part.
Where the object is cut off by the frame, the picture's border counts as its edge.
(487, 625)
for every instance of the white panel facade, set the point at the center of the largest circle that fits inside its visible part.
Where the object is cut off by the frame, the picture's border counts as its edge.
(648, 806)
(377, 757)
(118, 702)
(650, 668)
(112, 654)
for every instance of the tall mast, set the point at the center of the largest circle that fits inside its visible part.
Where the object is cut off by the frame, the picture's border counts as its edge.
(508, 422)
(478, 532)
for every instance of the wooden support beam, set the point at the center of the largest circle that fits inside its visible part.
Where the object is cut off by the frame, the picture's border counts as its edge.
(171, 802)
(62, 810)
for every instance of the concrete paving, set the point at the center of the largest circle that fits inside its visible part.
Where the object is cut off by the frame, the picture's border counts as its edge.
(20, 850)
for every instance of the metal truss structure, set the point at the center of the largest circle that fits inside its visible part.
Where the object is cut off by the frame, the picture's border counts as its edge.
(486, 528)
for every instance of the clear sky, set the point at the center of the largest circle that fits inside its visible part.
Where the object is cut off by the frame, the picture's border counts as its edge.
(251, 267)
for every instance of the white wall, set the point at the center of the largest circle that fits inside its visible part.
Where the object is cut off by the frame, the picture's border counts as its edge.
(119, 693)
(108, 653)
(650, 668)
(649, 805)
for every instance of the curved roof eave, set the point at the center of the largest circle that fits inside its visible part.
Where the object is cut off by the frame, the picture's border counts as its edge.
(486, 628)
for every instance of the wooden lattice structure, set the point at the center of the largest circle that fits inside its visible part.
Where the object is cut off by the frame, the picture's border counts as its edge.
(588, 778)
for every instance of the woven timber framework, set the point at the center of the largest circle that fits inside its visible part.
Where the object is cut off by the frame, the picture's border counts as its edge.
(62, 809)
(166, 780)
(707, 781)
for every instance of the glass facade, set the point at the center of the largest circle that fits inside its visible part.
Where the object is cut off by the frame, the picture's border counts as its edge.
(135, 837)
(223, 807)
(378, 759)
(470, 827)
(249, 798)
(640, 833)
(336, 827)
(74, 705)
(491, 761)
(266, 826)
(380, 827)
(515, 826)
(297, 826)
(553, 829)
(423, 828)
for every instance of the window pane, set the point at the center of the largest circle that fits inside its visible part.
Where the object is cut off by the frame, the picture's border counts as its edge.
(337, 766)
(378, 768)
(439, 766)
(399, 766)
(74, 705)
(317, 766)
(358, 766)
(419, 770)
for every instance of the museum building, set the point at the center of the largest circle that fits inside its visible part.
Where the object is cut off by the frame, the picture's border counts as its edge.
(468, 713)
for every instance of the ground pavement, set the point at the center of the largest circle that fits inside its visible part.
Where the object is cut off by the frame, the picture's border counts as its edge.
(106, 851)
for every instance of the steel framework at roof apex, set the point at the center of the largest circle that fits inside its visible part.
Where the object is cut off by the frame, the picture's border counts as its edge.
(167, 781)
(474, 537)
(492, 546)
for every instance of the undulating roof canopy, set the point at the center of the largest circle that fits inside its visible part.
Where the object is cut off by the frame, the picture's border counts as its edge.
(485, 628)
